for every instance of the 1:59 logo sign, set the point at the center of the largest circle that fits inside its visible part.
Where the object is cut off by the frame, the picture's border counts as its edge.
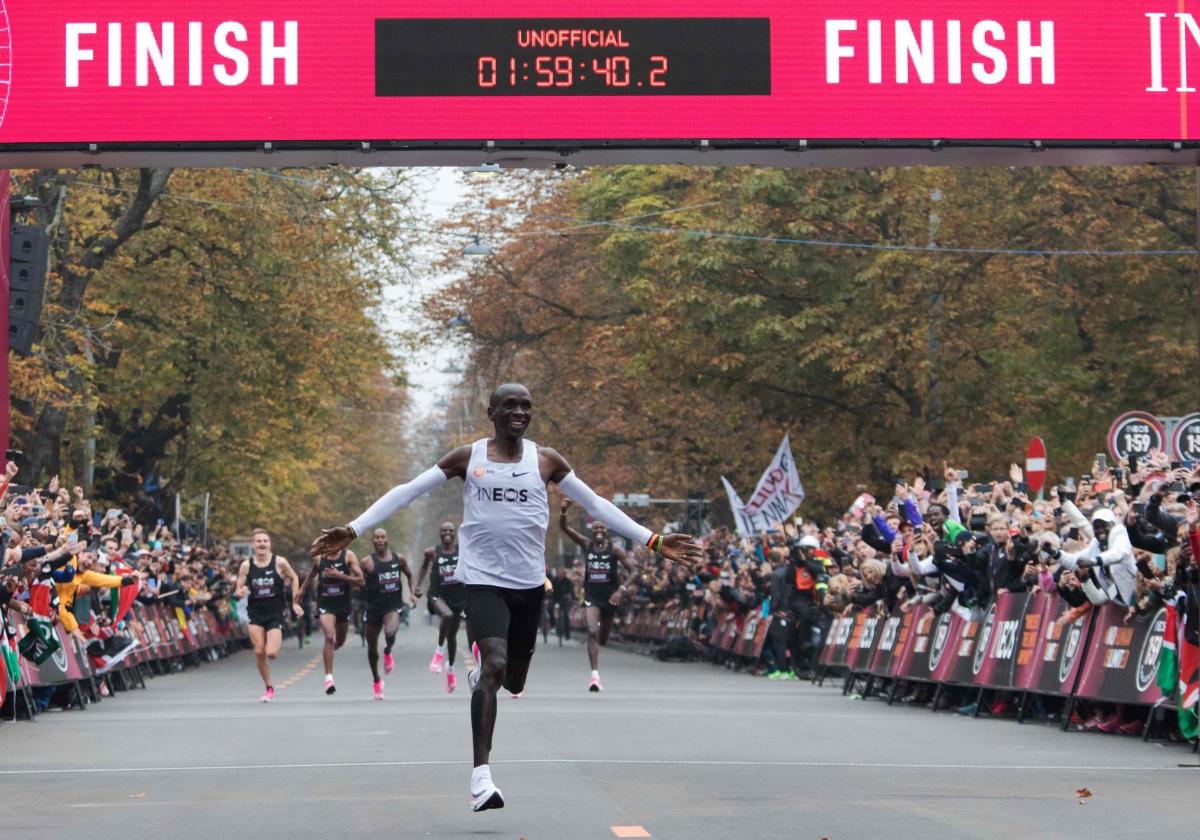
(1135, 433)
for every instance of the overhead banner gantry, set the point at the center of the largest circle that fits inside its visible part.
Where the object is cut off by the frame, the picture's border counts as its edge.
(787, 82)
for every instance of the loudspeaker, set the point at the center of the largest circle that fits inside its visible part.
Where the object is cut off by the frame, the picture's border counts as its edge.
(30, 250)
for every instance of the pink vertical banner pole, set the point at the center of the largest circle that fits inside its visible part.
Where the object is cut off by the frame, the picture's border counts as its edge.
(5, 243)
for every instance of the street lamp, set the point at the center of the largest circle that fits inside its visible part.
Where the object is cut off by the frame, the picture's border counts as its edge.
(478, 249)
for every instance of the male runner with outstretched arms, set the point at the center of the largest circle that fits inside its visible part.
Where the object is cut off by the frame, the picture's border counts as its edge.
(501, 551)
(335, 571)
(262, 578)
(385, 596)
(447, 600)
(603, 588)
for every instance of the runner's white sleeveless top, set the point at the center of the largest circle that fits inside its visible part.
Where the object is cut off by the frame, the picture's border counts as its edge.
(502, 540)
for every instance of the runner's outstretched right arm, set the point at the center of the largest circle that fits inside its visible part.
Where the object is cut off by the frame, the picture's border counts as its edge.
(398, 498)
(452, 465)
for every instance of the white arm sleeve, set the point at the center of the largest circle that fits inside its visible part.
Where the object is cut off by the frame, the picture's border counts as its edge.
(399, 497)
(604, 510)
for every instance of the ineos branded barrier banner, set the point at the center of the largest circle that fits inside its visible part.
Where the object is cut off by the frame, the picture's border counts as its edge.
(1018, 643)
(1123, 657)
(311, 71)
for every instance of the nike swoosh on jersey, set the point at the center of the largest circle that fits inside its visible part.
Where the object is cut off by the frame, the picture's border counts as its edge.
(519, 474)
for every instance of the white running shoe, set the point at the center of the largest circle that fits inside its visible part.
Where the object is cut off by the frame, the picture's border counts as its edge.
(473, 679)
(487, 797)
(330, 688)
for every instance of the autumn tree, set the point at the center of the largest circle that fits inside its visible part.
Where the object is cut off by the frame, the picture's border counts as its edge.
(218, 330)
(675, 321)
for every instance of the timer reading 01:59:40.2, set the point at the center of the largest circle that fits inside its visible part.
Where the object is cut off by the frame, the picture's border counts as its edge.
(573, 57)
(564, 71)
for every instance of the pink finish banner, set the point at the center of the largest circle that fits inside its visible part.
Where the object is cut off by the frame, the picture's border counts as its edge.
(220, 71)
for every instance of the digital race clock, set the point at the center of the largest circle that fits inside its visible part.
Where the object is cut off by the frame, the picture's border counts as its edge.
(573, 57)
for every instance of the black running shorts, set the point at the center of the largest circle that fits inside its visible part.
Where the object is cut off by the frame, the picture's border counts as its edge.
(267, 622)
(513, 614)
(598, 597)
(453, 597)
(341, 613)
(377, 611)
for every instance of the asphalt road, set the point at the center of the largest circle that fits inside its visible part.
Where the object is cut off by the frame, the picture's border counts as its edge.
(681, 751)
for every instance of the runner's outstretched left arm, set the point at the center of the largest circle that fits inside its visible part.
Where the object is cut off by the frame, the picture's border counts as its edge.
(680, 547)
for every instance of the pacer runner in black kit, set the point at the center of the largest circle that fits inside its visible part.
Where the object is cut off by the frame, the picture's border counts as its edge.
(260, 581)
(335, 571)
(603, 588)
(385, 596)
(447, 600)
(502, 544)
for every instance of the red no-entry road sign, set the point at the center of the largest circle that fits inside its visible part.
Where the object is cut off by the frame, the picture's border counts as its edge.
(1035, 465)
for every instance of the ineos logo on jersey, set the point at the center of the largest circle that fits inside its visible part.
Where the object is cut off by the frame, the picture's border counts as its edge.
(1151, 649)
(501, 494)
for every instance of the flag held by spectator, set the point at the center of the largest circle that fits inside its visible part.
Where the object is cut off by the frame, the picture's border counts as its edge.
(1178, 672)
(778, 494)
(39, 642)
(122, 599)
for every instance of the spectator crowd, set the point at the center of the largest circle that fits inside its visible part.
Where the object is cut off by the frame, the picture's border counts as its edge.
(1128, 535)
(68, 562)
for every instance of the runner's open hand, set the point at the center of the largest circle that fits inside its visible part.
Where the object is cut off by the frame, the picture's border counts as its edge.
(683, 548)
(332, 540)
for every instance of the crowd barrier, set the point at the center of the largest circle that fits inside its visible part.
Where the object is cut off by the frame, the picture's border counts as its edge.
(165, 638)
(1015, 645)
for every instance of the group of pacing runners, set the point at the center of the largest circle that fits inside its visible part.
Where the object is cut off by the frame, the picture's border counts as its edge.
(264, 578)
(493, 573)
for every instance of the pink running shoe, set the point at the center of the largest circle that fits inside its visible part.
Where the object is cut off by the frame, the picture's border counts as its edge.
(451, 682)
(379, 689)
(1111, 724)
(475, 654)
(268, 695)
(388, 663)
(435, 664)
(594, 684)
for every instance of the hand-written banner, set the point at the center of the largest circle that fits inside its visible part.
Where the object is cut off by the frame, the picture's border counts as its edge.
(778, 494)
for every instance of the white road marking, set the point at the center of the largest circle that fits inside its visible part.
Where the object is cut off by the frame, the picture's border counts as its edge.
(882, 765)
